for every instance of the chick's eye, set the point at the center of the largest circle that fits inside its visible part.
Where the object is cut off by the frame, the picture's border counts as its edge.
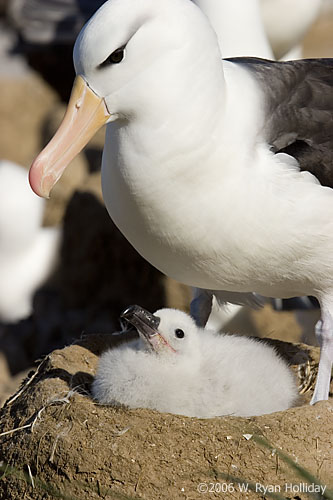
(115, 58)
(179, 333)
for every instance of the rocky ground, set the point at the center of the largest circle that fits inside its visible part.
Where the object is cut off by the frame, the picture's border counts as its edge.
(70, 443)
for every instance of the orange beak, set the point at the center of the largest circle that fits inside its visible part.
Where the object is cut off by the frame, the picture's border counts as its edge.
(86, 113)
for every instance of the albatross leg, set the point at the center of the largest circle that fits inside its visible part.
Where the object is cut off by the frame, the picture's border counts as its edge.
(324, 334)
(201, 306)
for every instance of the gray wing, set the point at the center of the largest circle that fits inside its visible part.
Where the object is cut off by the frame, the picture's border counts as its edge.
(299, 110)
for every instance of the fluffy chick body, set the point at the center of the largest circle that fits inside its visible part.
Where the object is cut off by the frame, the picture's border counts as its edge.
(209, 375)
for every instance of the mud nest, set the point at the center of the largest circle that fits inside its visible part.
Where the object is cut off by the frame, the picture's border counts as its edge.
(56, 442)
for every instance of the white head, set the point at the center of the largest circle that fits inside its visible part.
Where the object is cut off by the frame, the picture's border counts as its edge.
(166, 332)
(179, 330)
(132, 57)
(131, 47)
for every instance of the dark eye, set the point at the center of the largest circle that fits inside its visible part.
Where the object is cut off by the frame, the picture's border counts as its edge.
(115, 58)
(179, 333)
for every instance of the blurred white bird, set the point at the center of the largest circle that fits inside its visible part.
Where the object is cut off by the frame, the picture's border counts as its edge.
(286, 23)
(239, 27)
(28, 251)
(261, 28)
(176, 367)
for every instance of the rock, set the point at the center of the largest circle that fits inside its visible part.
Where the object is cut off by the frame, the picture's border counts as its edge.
(88, 451)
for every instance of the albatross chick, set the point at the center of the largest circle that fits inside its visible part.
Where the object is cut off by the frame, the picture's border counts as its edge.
(177, 367)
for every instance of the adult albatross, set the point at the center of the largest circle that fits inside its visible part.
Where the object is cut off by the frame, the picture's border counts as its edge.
(218, 172)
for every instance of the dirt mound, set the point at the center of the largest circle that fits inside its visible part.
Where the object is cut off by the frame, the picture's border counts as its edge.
(57, 443)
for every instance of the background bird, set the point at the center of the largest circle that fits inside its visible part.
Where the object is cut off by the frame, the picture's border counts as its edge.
(286, 24)
(211, 169)
(262, 28)
(28, 251)
(179, 368)
(239, 27)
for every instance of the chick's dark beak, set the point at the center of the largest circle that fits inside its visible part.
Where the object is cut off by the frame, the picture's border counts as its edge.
(145, 322)
(147, 326)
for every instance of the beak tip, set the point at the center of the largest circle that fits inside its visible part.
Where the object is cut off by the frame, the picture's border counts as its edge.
(86, 113)
(35, 181)
(128, 312)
